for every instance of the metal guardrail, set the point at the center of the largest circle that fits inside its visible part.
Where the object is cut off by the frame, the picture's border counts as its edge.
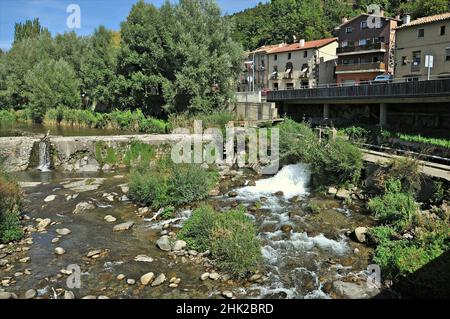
(371, 89)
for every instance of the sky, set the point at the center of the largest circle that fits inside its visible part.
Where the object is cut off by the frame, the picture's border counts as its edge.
(53, 14)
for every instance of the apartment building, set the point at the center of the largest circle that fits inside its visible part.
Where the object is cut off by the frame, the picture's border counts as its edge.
(366, 48)
(427, 36)
(258, 60)
(302, 64)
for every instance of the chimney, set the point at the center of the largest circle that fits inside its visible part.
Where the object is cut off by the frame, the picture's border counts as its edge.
(406, 19)
(344, 20)
(302, 42)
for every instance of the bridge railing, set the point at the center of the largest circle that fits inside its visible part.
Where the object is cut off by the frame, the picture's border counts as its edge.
(371, 89)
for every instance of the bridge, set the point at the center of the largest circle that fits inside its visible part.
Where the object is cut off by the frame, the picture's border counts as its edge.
(436, 90)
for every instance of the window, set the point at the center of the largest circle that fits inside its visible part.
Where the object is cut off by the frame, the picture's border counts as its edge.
(362, 42)
(344, 43)
(289, 56)
(404, 59)
(275, 57)
(349, 30)
(305, 54)
(363, 24)
(415, 66)
(443, 30)
(275, 86)
(290, 86)
(381, 39)
(447, 54)
(420, 33)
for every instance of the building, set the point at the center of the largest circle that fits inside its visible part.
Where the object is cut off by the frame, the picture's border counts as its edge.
(258, 58)
(366, 48)
(302, 64)
(428, 36)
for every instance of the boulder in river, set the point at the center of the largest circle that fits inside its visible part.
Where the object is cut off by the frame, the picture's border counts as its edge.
(82, 207)
(110, 219)
(343, 194)
(147, 278)
(30, 294)
(60, 251)
(50, 198)
(360, 234)
(123, 226)
(179, 245)
(163, 243)
(143, 258)
(63, 231)
(159, 280)
(352, 290)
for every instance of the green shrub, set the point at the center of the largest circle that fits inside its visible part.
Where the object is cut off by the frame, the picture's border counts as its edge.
(217, 119)
(10, 203)
(230, 236)
(297, 142)
(139, 152)
(7, 118)
(406, 170)
(166, 183)
(394, 208)
(355, 133)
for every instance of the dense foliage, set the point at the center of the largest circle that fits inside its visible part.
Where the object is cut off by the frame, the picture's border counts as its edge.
(230, 236)
(272, 22)
(10, 203)
(408, 238)
(165, 183)
(334, 161)
(176, 58)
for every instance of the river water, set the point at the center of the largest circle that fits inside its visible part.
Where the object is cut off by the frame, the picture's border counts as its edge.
(302, 251)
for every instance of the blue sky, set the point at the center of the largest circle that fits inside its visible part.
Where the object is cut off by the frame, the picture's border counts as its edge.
(52, 14)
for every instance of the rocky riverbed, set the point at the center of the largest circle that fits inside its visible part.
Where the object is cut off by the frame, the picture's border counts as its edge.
(85, 222)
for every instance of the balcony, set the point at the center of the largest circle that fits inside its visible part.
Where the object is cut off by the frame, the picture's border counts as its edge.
(371, 47)
(361, 67)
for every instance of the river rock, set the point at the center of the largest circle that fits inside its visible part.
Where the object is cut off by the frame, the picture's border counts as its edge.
(3, 262)
(106, 167)
(103, 297)
(214, 276)
(159, 280)
(332, 191)
(131, 281)
(351, 290)
(110, 219)
(179, 245)
(55, 240)
(279, 194)
(82, 207)
(286, 228)
(93, 253)
(60, 251)
(204, 276)
(30, 294)
(123, 226)
(214, 192)
(295, 199)
(24, 260)
(163, 243)
(255, 277)
(7, 295)
(227, 294)
(120, 277)
(147, 278)
(125, 189)
(69, 295)
(63, 231)
(89, 297)
(343, 194)
(143, 258)
(50, 198)
(232, 194)
(43, 224)
(360, 234)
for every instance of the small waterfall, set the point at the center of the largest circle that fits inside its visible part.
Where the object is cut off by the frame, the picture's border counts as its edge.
(292, 180)
(44, 156)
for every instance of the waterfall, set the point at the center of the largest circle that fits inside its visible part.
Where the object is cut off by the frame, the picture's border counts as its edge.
(44, 156)
(292, 180)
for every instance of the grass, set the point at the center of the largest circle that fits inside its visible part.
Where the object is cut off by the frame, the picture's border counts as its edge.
(10, 204)
(440, 142)
(230, 236)
(218, 119)
(130, 156)
(165, 183)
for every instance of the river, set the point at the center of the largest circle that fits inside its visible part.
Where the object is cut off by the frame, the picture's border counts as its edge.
(303, 252)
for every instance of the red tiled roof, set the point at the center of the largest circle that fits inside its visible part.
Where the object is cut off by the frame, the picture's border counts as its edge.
(425, 20)
(297, 47)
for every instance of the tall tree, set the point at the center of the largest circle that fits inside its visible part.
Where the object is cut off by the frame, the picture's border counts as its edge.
(29, 29)
(98, 69)
(51, 84)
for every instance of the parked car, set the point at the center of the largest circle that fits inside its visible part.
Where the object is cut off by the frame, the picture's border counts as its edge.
(384, 78)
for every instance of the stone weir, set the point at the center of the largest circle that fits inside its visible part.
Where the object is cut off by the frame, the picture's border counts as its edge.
(77, 154)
